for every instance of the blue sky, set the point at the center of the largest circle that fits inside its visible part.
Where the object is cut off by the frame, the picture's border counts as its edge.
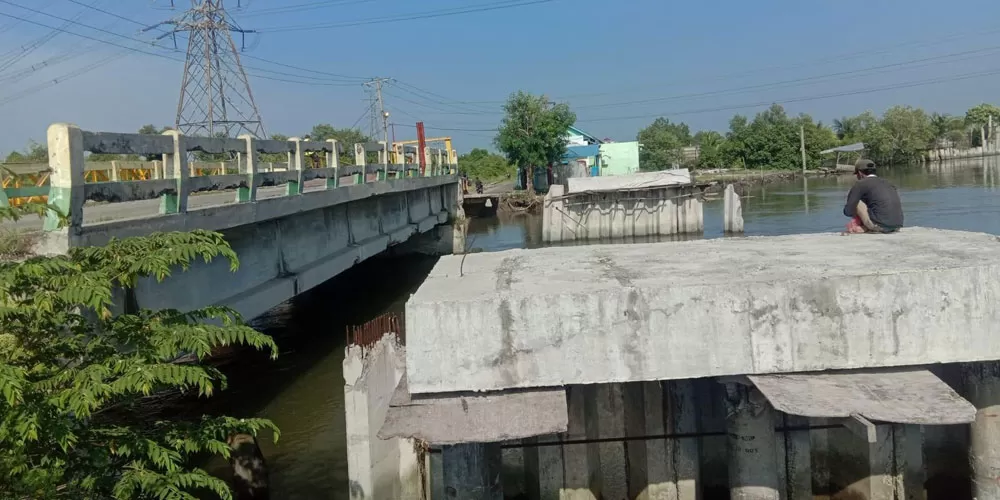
(619, 64)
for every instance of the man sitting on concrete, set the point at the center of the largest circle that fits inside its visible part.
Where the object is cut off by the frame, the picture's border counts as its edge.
(873, 203)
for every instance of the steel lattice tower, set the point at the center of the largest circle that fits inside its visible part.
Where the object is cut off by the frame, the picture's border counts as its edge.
(215, 98)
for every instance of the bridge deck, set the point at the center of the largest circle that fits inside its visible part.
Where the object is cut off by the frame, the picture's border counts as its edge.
(619, 313)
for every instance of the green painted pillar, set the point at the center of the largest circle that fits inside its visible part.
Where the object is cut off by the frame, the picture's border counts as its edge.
(248, 193)
(296, 161)
(333, 161)
(176, 165)
(65, 143)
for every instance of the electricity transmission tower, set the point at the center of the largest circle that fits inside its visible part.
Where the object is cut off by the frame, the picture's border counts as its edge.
(215, 98)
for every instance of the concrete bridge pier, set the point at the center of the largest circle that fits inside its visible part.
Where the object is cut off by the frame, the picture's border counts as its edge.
(472, 471)
(982, 386)
(753, 466)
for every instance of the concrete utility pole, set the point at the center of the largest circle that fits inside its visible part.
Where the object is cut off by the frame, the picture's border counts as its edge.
(802, 140)
(377, 84)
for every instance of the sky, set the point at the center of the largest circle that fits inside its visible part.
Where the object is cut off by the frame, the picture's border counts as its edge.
(619, 64)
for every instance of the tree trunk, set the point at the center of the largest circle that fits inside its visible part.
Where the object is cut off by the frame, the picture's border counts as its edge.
(529, 179)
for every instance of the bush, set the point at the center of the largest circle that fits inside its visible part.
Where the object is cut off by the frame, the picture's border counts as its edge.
(74, 377)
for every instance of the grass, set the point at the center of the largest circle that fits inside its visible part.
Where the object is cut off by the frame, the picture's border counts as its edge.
(16, 244)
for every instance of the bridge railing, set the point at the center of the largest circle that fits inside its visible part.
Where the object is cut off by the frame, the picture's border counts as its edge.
(174, 179)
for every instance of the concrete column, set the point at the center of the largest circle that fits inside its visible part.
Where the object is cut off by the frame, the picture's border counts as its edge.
(732, 211)
(249, 193)
(472, 471)
(798, 459)
(383, 172)
(176, 165)
(359, 160)
(576, 466)
(296, 162)
(753, 470)
(982, 388)
(333, 161)
(907, 445)
(65, 143)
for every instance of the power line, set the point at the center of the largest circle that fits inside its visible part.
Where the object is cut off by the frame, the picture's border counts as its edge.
(897, 86)
(407, 17)
(78, 72)
(131, 39)
(160, 55)
(303, 7)
(766, 86)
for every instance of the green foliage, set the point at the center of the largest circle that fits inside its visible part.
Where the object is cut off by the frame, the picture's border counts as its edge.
(347, 137)
(36, 153)
(771, 141)
(481, 164)
(74, 378)
(910, 132)
(977, 118)
(710, 144)
(533, 130)
(661, 144)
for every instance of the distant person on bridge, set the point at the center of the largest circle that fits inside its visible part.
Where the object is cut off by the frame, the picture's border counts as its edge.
(873, 203)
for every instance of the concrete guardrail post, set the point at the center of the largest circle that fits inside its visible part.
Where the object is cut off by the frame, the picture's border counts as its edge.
(296, 160)
(66, 180)
(333, 161)
(383, 161)
(360, 160)
(248, 193)
(176, 167)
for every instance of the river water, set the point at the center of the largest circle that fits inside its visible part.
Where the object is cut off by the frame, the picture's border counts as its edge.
(303, 391)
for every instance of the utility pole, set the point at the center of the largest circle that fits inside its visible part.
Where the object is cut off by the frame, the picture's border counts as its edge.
(802, 140)
(376, 85)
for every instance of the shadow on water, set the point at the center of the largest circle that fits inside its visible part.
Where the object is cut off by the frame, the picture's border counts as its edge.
(303, 390)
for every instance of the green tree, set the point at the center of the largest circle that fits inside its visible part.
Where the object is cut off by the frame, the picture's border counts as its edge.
(910, 131)
(35, 153)
(978, 117)
(532, 133)
(347, 137)
(817, 138)
(710, 144)
(661, 144)
(74, 378)
(481, 164)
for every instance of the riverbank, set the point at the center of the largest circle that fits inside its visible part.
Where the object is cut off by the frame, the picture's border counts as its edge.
(745, 179)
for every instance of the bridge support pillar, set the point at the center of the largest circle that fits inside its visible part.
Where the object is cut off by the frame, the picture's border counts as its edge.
(753, 466)
(472, 471)
(982, 387)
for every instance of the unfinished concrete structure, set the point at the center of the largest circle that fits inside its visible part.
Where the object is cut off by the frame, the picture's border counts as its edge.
(761, 368)
(622, 207)
(288, 240)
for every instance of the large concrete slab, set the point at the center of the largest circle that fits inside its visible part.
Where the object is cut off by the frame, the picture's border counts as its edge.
(616, 313)
(643, 180)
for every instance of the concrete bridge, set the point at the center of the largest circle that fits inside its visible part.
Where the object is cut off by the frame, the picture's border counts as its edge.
(292, 229)
(793, 367)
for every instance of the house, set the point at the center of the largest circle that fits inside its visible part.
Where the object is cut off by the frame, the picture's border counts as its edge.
(587, 156)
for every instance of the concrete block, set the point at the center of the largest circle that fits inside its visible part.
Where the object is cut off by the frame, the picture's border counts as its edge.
(620, 313)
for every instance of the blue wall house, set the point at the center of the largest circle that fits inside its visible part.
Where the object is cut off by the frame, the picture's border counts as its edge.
(582, 159)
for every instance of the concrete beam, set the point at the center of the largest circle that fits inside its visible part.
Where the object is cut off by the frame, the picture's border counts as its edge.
(447, 419)
(621, 313)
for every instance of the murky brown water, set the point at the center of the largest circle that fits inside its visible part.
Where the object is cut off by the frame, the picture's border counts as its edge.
(303, 391)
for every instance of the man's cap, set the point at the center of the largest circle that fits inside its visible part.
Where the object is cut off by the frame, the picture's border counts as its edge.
(864, 164)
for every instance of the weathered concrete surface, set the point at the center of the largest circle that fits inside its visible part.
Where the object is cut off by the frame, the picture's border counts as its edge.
(644, 180)
(376, 468)
(475, 418)
(617, 313)
(290, 244)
